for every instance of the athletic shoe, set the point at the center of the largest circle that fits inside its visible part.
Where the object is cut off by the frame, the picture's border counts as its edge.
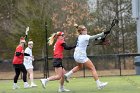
(26, 85)
(33, 85)
(63, 90)
(66, 78)
(43, 82)
(102, 85)
(15, 86)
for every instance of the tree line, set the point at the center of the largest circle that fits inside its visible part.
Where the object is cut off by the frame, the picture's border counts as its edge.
(60, 15)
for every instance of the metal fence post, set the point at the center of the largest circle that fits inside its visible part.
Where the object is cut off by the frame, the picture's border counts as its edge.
(120, 65)
(46, 67)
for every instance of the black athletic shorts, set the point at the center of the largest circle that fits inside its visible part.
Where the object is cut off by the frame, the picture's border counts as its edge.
(57, 62)
(19, 66)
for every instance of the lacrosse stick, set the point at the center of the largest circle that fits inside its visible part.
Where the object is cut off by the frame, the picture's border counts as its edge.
(103, 40)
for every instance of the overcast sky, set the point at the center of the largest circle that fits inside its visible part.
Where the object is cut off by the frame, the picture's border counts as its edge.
(92, 4)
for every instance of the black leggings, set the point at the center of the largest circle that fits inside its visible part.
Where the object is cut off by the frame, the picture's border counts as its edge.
(18, 68)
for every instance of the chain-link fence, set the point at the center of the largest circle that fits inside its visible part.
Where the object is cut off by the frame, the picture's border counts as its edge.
(106, 65)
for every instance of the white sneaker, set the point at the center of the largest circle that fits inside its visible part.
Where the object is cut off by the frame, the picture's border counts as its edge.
(33, 85)
(26, 85)
(43, 82)
(102, 85)
(66, 78)
(63, 90)
(15, 86)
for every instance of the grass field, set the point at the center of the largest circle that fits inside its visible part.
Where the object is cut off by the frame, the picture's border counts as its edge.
(123, 84)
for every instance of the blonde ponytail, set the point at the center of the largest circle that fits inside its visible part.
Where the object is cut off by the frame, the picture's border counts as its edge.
(77, 32)
(51, 39)
(76, 25)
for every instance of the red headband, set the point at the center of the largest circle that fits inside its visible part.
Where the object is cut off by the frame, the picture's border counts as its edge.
(22, 39)
(60, 33)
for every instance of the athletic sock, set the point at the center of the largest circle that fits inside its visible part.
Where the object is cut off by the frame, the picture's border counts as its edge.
(25, 83)
(61, 87)
(98, 82)
(46, 80)
(15, 84)
(32, 82)
(69, 73)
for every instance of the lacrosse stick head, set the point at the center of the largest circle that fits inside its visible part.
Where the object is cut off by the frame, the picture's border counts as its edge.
(27, 29)
(106, 42)
(102, 42)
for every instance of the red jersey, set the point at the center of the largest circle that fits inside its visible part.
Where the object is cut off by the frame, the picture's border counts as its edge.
(18, 59)
(58, 49)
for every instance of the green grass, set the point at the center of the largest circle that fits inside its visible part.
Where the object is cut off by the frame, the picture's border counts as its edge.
(125, 84)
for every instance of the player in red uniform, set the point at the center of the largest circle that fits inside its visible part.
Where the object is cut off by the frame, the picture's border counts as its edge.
(59, 46)
(18, 63)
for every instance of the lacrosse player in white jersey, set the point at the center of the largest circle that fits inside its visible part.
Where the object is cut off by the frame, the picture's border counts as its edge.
(28, 62)
(80, 54)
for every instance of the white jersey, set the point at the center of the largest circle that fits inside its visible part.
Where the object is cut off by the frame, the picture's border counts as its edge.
(80, 54)
(82, 42)
(28, 59)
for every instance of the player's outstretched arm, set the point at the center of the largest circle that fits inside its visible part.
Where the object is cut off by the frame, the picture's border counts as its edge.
(94, 37)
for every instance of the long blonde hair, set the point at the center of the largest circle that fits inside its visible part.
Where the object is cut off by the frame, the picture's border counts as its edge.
(53, 37)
